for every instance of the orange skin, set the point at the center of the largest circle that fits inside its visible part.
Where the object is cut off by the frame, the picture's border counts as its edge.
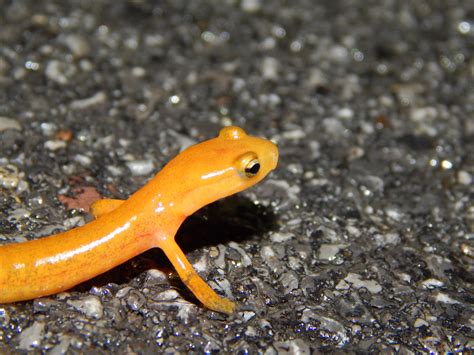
(150, 218)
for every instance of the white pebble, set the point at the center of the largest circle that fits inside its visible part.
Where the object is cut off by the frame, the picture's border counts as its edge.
(250, 6)
(281, 237)
(9, 123)
(329, 251)
(96, 99)
(141, 167)
(464, 177)
(90, 306)
(168, 295)
(432, 283)
(444, 298)
(270, 68)
(345, 113)
(30, 337)
(59, 72)
(355, 280)
(55, 144)
(82, 159)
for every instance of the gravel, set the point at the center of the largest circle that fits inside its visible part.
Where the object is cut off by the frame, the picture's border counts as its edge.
(361, 241)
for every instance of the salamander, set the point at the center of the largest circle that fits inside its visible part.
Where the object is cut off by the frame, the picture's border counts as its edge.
(149, 218)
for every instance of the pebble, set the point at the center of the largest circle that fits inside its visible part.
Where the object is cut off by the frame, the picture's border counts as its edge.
(18, 215)
(269, 256)
(421, 323)
(48, 128)
(168, 295)
(290, 281)
(421, 114)
(444, 298)
(61, 348)
(251, 6)
(394, 214)
(95, 100)
(333, 127)
(345, 113)
(355, 280)
(77, 44)
(9, 123)
(281, 237)
(296, 347)
(55, 144)
(464, 178)
(387, 239)
(246, 261)
(295, 134)
(9, 177)
(251, 332)
(247, 315)
(91, 306)
(82, 159)
(329, 251)
(432, 283)
(30, 337)
(135, 300)
(157, 275)
(60, 72)
(141, 167)
(270, 68)
(295, 168)
(316, 78)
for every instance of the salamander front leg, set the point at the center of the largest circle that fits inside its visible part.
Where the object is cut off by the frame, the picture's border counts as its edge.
(104, 206)
(191, 279)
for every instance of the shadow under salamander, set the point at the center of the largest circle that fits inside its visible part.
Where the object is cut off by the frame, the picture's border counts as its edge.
(234, 218)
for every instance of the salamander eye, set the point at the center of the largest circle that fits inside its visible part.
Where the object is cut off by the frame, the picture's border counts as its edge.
(248, 164)
(252, 168)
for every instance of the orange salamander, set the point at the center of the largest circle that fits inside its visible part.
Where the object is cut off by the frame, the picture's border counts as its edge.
(150, 218)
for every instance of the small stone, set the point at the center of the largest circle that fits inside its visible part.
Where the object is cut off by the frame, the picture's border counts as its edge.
(290, 281)
(9, 123)
(387, 239)
(91, 306)
(78, 45)
(82, 159)
(345, 113)
(141, 167)
(355, 280)
(432, 283)
(281, 237)
(250, 6)
(30, 337)
(295, 134)
(95, 100)
(464, 178)
(329, 251)
(444, 298)
(334, 127)
(421, 323)
(421, 114)
(157, 275)
(251, 332)
(270, 68)
(55, 144)
(9, 177)
(247, 315)
(48, 128)
(168, 295)
(60, 72)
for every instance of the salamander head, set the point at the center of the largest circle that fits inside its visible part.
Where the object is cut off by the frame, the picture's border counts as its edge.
(222, 166)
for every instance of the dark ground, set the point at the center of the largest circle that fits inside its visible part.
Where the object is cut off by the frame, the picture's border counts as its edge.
(362, 240)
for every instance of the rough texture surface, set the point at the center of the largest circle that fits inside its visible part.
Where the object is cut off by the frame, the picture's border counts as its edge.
(363, 238)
